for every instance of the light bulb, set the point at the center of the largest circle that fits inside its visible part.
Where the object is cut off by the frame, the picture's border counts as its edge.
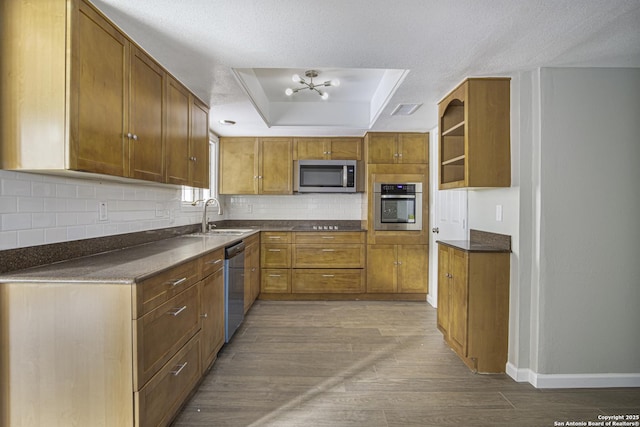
(335, 82)
(325, 95)
(289, 91)
(296, 78)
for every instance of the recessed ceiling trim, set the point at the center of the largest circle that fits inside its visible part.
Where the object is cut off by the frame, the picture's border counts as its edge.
(392, 80)
(253, 91)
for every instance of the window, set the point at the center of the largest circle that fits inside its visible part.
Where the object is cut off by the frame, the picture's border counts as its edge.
(190, 194)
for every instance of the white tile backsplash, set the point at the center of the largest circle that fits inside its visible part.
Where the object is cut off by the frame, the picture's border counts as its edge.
(39, 209)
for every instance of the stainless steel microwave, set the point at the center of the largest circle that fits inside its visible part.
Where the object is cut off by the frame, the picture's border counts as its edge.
(325, 176)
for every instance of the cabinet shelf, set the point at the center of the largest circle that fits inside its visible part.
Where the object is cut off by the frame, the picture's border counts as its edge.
(455, 130)
(456, 161)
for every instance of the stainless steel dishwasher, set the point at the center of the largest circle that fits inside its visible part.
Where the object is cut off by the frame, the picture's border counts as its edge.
(233, 289)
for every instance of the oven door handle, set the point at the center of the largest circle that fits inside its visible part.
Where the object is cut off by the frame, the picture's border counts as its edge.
(397, 196)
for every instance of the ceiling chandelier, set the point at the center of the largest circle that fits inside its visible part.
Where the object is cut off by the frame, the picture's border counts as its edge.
(311, 74)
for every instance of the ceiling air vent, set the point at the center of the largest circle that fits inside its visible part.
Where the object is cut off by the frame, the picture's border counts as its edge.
(405, 109)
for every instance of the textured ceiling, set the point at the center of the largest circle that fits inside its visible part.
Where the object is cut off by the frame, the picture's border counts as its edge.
(439, 42)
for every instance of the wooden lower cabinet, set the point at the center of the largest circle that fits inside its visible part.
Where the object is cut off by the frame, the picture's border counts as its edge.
(159, 400)
(251, 270)
(316, 281)
(473, 306)
(276, 281)
(121, 354)
(397, 269)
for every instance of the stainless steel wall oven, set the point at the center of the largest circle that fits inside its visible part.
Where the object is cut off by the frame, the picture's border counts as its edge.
(398, 206)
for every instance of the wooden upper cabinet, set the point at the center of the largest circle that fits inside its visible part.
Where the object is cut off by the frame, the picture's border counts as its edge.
(238, 165)
(199, 145)
(395, 148)
(177, 133)
(475, 135)
(146, 117)
(256, 165)
(94, 102)
(275, 166)
(328, 149)
(99, 96)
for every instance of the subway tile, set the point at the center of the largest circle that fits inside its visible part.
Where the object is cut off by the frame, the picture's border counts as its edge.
(66, 219)
(66, 190)
(52, 204)
(30, 204)
(55, 235)
(76, 233)
(14, 187)
(43, 189)
(31, 237)
(43, 220)
(8, 239)
(16, 222)
(8, 204)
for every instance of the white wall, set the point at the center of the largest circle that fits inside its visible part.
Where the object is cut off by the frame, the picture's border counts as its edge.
(297, 207)
(40, 209)
(576, 317)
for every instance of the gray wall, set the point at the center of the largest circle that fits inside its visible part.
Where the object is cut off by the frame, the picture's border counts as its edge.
(589, 277)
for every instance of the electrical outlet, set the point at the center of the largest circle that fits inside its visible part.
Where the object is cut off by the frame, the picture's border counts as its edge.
(103, 214)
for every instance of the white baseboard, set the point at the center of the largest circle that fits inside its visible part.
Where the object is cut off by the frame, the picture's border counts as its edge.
(572, 380)
(432, 301)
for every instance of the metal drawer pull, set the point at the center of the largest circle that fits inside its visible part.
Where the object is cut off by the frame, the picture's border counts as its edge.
(180, 368)
(328, 250)
(328, 237)
(177, 311)
(274, 275)
(177, 282)
(275, 237)
(204, 316)
(217, 261)
(275, 250)
(328, 275)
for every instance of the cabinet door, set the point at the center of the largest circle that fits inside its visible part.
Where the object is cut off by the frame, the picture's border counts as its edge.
(346, 149)
(251, 267)
(146, 151)
(381, 148)
(212, 317)
(199, 145)
(238, 166)
(177, 138)
(99, 97)
(444, 298)
(311, 148)
(413, 148)
(276, 166)
(413, 268)
(277, 281)
(382, 270)
(459, 301)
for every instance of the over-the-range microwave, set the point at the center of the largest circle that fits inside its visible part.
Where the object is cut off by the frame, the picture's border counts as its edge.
(325, 176)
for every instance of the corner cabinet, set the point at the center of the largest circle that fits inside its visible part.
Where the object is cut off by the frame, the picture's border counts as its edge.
(256, 165)
(475, 135)
(473, 305)
(95, 102)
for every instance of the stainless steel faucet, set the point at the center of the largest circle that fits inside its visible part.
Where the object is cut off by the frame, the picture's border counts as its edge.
(204, 212)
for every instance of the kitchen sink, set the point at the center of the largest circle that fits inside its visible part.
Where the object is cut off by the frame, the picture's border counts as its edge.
(223, 232)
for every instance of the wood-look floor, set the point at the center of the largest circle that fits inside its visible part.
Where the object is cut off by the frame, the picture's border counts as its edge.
(370, 364)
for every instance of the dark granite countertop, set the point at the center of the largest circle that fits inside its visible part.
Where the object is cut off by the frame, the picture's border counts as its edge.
(125, 266)
(481, 241)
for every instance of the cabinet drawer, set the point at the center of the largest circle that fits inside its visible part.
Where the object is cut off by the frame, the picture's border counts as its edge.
(156, 290)
(212, 262)
(275, 237)
(328, 281)
(330, 237)
(328, 256)
(276, 281)
(275, 256)
(161, 398)
(160, 333)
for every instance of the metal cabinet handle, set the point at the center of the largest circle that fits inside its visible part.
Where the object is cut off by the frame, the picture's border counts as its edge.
(176, 372)
(275, 250)
(328, 275)
(328, 237)
(216, 261)
(177, 282)
(177, 311)
(275, 237)
(204, 316)
(274, 275)
(193, 159)
(328, 250)
(129, 135)
(135, 137)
